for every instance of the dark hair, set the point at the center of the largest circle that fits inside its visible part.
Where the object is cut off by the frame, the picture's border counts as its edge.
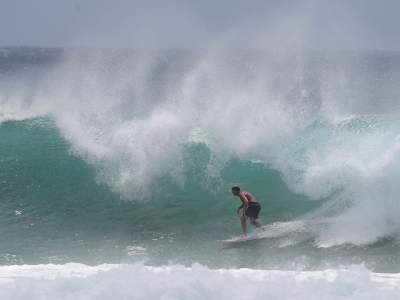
(236, 188)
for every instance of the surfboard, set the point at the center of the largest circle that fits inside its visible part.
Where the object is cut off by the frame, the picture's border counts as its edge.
(241, 239)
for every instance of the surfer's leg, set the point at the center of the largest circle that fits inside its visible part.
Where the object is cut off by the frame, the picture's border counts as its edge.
(255, 222)
(243, 221)
(255, 210)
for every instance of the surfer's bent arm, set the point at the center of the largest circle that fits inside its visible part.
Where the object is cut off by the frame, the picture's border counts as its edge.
(244, 205)
(239, 208)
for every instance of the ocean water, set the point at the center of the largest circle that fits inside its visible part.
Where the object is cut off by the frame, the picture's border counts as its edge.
(116, 168)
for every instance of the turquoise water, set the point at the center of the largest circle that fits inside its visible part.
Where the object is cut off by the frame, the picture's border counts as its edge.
(55, 208)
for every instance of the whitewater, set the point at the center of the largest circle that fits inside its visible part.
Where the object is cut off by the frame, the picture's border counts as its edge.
(116, 168)
(75, 281)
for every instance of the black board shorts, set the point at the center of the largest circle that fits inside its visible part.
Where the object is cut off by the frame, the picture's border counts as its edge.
(253, 210)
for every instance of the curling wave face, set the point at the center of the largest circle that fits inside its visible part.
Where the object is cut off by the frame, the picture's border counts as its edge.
(166, 134)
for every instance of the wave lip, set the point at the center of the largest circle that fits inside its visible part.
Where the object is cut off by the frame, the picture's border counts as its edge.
(137, 281)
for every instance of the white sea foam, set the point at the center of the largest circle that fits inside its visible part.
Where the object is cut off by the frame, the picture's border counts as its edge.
(77, 281)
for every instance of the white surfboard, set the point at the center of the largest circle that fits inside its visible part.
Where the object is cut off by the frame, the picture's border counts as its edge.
(241, 239)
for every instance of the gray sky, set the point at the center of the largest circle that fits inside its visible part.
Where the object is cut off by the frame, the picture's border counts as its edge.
(338, 24)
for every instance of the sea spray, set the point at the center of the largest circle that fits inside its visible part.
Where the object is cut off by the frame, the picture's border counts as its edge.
(156, 140)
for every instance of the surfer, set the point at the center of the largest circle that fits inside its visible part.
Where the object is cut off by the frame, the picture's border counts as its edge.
(251, 208)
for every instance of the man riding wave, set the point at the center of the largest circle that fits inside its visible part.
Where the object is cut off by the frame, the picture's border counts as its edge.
(251, 208)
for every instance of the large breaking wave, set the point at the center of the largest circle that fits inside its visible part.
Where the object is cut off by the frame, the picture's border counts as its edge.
(170, 132)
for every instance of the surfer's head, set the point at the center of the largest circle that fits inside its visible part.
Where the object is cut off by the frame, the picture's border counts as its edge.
(236, 190)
